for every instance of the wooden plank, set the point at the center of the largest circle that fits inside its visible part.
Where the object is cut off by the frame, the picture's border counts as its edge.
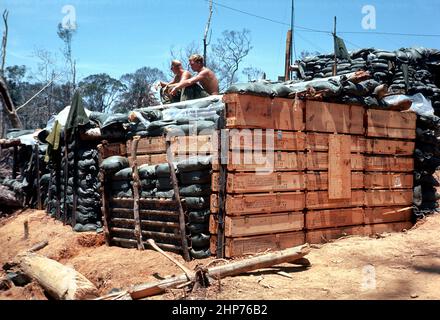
(334, 218)
(388, 180)
(152, 159)
(260, 139)
(334, 118)
(320, 142)
(318, 180)
(320, 161)
(200, 144)
(149, 145)
(389, 147)
(387, 227)
(325, 235)
(391, 124)
(253, 182)
(380, 198)
(113, 149)
(387, 214)
(260, 203)
(248, 111)
(119, 222)
(254, 162)
(339, 167)
(235, 247)
(385, 163)
(243, 226)
(320, 200)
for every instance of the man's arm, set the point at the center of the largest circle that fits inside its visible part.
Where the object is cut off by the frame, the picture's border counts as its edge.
(189, 82)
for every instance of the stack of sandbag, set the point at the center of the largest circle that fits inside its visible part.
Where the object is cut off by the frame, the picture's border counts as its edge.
(87, 190)
(66, 186)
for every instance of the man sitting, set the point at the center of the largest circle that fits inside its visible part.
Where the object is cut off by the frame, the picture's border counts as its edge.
(205, 83)
(179, 75)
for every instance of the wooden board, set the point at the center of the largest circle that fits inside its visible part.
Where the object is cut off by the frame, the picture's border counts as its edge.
(389, 147)
(388, 180)
(200, 144)
(320, 161)
(235, 247)
(261, 139)
(334, 118)
(243, 226)
(391, 124)
(318, 180)
(320, 142)
(320, 200)
(389, 164)
(387, 227)
(339, 167)
(149, 145)
(237, 205)
(387, 214)
(334, 218)
(248, 111)
(325, 235)
(253, 162)
(254, 182)
(380, 198)
(113, 149)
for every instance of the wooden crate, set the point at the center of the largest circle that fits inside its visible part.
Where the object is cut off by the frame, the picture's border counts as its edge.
(235, 247)
(389, 147)
(387, 214)
(200, 144)
(387, 227)
(334, 118)
(320, 142)
(380, 198)
(253, 182)
(334, 218)
(149, 159)
(325, 235)
(243, 226)
(248, 111)
(149, 145)
(320, 161)
(112, 149)
(318, 180)
(245, 204)
(391, 124)
(378, 180)
(320, 200)
(261, 139)
(253, 162)
(389, 164)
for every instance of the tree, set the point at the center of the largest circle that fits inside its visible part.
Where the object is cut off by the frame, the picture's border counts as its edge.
(253, 73)
(100, 91)
(137, 89)
(66, 35)
(230, 50)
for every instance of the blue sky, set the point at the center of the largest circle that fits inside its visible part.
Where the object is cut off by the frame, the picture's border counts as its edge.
(119, 36)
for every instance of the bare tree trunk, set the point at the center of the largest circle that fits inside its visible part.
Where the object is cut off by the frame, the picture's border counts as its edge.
(4, 42)
(8, 104)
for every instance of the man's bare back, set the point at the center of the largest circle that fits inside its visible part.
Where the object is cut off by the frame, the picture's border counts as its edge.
(208, 81)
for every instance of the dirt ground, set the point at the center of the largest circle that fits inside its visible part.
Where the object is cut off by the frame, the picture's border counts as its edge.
(390, 266)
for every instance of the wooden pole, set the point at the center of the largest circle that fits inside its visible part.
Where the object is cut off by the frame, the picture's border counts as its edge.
(182, 223)
(105, 195)
(223, 158)
(288, 55)
(37, 176)
(66, 178)
(14, 163)
(75, 179)
(136, 185)
(335, 66)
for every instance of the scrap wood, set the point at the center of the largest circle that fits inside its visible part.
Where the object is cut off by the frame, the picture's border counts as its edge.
(219, 272)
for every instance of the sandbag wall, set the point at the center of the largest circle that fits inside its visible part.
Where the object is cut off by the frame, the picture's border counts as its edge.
(338, 169)
(158, 208)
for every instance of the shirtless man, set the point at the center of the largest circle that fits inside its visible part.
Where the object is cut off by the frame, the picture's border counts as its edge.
(205, 83)
(179, 75)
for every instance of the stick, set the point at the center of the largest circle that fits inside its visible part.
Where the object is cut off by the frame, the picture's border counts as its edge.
(105, 194)
(177, 196)
(188, 272)
(136, 184)
(38, 246)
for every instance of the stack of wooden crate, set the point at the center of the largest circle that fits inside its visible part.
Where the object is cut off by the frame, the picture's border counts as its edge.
(265, 196)
(338, 170)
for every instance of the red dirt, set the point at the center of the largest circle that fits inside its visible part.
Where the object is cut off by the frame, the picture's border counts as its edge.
(400, 265)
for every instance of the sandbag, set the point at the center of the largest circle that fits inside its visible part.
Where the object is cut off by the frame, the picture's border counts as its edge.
(195, 228)
(200, 254)
(201, 216)
(195, 190)
(200, 241)
(200, 177)
(114, 163)
(197, 203)
(124, 174)
(147, 171)
(200, 163)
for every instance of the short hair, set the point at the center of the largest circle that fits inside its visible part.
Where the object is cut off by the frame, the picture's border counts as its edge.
(176, 63)
(196, 58)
